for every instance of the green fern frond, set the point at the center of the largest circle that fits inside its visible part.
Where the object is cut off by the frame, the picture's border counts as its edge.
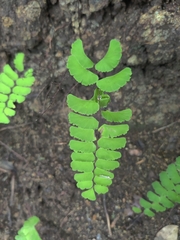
(118, 117)
(79, 146)
(108, 155)
(80, 73)
(29, 73)
(82, 134)
(83, 121)
(113, 130)
(104, 100)
(19, 62)
(115, 82)
(112, 57)
(92, 159)
(10, 73)
(28, 231)
(87, 157)
(112, 143)
(167, 191)
(87, 107)
(13, 89)
(77, 51)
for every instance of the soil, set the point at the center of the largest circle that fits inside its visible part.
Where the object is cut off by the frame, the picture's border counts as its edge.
(39, 133)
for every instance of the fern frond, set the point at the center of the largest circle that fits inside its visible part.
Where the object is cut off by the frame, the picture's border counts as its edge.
(13, 89)
(89, 194)
(21, 90)
(113, 130)
(82, 134)
(29, 73)
(79, 146)
(77, 50)
(84, 156)
(87, 107)
(167, 191)
(82, 167)
(4, 88)
(112, 57)
(107, 154)
(107, 165)
(94, 161)
(25, 82)
(19, 62)
(80, 73)
(78, 63)
(104, 100)
(83, 121)
(103, 173)
(10, 73)
(28, 231)
(112, 143)
(115, 82)
(6, 81)
(120, 116)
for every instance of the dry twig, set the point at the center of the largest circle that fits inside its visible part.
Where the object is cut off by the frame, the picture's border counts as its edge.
(16, 126)
(8, 167)
(107, 216)
(162, 128)
(15, 153)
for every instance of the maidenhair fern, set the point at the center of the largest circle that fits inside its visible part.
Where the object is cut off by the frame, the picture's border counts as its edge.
(166, 191)
(28, 231)
(93, 158)
(14, 88)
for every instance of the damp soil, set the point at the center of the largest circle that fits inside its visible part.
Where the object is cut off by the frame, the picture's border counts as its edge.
(39, 133)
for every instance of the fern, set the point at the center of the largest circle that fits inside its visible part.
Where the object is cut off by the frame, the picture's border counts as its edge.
(166, 191)
(93, 159)
(28, 231)
(14, 88)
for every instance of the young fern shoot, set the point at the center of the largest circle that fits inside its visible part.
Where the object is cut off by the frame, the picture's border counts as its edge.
(14, 88)
(28, 230)
(167, 191)
(92, 161)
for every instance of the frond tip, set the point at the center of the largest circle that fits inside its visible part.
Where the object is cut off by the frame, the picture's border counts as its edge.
(77, 51)
(12, 88)
(28, 231)
(166, 191)
(80, 73)
(19, 62)
(112, 57)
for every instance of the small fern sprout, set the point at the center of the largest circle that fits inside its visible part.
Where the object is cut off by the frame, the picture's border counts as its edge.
(28, 231)
(166, 191)
(93, 159)
(14, 88)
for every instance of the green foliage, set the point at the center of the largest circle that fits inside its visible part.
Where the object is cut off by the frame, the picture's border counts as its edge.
(93, 158)
(166, 191)
(115, 82)
(112, 57)
(28, 231)
(87, 107)
(14, 88)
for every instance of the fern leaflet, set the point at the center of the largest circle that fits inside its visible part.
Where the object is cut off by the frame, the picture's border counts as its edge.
(28, 231)
(167, 191)
(14, 88)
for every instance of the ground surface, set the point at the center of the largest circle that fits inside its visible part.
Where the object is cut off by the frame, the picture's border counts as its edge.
(39, 132)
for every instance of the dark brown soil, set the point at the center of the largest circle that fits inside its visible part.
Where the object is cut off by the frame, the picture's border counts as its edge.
(44, 184)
